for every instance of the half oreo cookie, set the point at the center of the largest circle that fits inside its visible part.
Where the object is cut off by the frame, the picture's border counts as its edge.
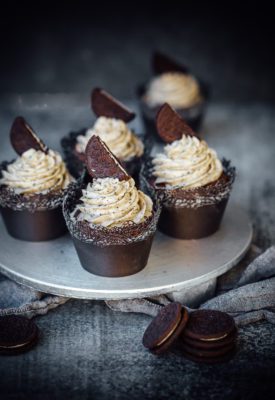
(162, 63)
(101, 162)
(170, 125)
(23, 137)
(103, 104)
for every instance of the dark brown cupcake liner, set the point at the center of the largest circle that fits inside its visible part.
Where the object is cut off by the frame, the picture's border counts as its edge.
(34, 226)
(35, 217)
(193, 213)
(76, 161)
(112, 252)
(116, 260)
(193, 115)
(191, 223)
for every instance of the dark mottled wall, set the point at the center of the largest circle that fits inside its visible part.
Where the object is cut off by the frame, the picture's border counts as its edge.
(71, 46)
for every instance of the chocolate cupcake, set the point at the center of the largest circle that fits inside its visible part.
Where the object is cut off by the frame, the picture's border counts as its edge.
(111, 127)
(173, 84)
(189, 179)
(32, 187)
(112, 224)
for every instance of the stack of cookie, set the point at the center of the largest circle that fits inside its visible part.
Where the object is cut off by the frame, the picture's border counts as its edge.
(209, 337)
(205, 336)
(17, 335)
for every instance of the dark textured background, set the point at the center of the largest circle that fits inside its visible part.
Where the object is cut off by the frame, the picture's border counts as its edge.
(72, 46)
(87, 351)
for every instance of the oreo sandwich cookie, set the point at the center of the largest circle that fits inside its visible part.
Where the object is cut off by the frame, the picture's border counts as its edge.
(209, 337)
(165, 328)
(208, 353)
(209, 325)
(17, 334)
(210, 360)
(210, 345)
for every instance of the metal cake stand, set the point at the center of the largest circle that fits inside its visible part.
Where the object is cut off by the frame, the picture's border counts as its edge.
(53, 267)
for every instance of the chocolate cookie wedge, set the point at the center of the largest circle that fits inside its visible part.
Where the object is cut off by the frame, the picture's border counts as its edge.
(23, 137)
(161, 63)
(103, 104)
(101, 163)
(170, 125)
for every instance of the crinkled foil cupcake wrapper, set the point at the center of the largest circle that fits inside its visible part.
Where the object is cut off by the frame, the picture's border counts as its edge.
(76, 165)
(101, 236)
(32, 203)
(191, 198)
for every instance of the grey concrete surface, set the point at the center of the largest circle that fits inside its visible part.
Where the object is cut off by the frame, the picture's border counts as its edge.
(87, 351)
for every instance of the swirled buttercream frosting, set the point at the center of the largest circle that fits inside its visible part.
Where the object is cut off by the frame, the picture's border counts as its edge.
(177, 89)
(36, 172)
(109, 202)
(187, 163)
(118, 137)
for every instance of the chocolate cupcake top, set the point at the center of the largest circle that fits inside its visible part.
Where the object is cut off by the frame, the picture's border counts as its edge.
(37, 178)
(180, 90)
(111, 202)
(36, 172)
(116, 134)
(109, 209)
(111, 127)
(187, 163)
(188, 173)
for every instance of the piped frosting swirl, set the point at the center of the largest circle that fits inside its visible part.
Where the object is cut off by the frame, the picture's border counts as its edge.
(177, 89)
(115, 133)
(187, 163)
(36, 172)
(109, 202)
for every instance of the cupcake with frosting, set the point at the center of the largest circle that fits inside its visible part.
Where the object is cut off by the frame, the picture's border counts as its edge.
(111, 222)
(175, 88)
(173, 84)
(192, 182)
(111, 126)
(32, 187)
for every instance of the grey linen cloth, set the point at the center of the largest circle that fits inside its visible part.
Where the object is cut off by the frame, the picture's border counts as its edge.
(247, 292)
(22, 300)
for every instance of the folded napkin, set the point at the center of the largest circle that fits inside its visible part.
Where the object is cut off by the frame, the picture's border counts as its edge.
(247, 292)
